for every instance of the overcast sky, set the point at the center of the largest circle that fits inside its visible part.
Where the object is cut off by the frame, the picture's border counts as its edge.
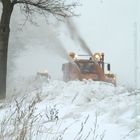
(108, 26)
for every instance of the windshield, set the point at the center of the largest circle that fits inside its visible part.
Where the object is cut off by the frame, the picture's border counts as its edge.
(86, 67)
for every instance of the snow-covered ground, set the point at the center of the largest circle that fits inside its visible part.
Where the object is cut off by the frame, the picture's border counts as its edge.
(76, 110)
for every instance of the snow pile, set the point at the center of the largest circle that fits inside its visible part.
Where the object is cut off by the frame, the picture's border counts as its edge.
(77, 110)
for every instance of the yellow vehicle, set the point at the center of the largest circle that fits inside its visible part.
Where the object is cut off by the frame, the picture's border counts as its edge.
(92, 67)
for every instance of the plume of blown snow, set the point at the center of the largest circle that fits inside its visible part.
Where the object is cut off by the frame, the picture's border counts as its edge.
(77, 37)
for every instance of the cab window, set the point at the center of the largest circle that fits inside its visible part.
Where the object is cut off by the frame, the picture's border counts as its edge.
(87, 67)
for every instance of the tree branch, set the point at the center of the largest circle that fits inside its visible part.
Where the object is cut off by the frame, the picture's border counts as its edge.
(55, 7)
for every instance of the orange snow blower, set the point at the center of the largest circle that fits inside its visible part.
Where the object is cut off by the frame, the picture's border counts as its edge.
(92, 67)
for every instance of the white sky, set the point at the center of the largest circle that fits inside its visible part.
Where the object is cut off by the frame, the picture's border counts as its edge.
(108, 26)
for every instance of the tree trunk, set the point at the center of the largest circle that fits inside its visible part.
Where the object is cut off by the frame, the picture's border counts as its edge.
(4, 38)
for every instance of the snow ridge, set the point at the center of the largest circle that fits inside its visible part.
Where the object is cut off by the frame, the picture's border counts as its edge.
(76, 110)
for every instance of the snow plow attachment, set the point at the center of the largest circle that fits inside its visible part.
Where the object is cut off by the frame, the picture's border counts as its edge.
(92, 67)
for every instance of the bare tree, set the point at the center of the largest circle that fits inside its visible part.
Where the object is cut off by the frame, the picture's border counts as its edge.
(57, 8)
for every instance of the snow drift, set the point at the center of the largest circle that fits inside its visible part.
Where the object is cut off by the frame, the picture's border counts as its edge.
(76, 110)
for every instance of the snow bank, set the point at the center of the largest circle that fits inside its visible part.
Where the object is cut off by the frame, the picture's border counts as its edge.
(76, 110)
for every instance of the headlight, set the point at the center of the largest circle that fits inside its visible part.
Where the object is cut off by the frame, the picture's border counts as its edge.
(72, 55)
(45, 71)
(97, 56)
